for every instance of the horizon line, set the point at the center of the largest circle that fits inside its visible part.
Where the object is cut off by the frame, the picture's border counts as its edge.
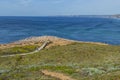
(54, 15)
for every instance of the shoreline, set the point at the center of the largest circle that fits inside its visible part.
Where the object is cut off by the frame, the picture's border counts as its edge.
(40, 39)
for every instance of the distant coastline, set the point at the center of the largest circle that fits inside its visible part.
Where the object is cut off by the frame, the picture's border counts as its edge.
(92, 16)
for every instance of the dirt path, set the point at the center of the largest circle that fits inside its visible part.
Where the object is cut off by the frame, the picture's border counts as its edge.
(23, 54)
(57, 75)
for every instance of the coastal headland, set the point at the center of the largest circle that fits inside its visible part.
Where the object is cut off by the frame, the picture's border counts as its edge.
(54, 58)
(55, 41)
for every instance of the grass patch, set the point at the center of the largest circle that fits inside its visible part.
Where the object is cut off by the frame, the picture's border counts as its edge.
(23, 74)
(63, 69)
(99, 62)
(18, 50)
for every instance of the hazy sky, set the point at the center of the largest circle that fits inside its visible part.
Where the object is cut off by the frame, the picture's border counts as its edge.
(58, 7)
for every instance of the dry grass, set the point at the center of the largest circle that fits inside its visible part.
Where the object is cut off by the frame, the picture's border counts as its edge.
(60, 76)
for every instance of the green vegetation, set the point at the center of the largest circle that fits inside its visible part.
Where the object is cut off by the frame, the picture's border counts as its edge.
(18, 50)
(18, 74)
(81, 61)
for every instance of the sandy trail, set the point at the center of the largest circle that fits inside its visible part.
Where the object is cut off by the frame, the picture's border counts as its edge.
(55, 42)
(57, 75)
(23, 54)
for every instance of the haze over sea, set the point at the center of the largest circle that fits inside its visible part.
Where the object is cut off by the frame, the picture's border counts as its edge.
(104, 30)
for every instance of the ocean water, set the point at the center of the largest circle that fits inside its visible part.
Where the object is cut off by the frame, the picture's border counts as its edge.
(77, 28)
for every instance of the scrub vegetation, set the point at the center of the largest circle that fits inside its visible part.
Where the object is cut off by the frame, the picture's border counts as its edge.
(80, 61)
(17, 50)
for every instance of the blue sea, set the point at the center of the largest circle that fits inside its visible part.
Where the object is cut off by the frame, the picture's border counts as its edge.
(93, 29)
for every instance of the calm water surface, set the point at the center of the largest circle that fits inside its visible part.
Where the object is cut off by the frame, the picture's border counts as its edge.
(76, 28)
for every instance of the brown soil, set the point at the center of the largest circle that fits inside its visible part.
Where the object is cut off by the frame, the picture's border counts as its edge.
(39, 40)
(57, 75)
